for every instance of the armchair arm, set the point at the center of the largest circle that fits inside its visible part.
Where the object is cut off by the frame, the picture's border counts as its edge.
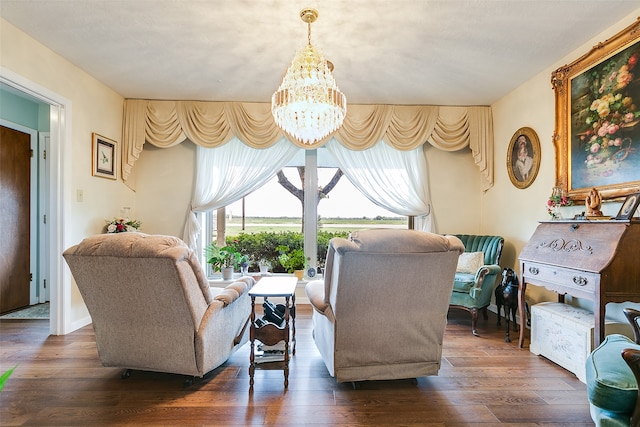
(223, 329)
(234, 290)
(633, 316)
(632, 357)
(485, 272)
(315, 293)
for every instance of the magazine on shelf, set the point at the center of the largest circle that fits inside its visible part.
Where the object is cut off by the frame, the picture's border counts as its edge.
(270, 353)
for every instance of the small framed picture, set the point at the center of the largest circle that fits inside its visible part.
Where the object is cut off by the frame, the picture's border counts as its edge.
(104, 157)
(523, 157)
(629, 207)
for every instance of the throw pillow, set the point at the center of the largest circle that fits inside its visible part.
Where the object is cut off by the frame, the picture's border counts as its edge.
(470, 262)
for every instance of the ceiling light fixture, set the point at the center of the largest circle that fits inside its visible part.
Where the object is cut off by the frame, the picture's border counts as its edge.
(308, 105)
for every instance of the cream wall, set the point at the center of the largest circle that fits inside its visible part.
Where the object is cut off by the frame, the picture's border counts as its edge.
(164, 182)
(94, 108)
(456, 191)
(460, 206)
(512, 212)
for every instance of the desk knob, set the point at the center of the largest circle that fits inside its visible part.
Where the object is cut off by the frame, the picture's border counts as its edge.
(579, 280)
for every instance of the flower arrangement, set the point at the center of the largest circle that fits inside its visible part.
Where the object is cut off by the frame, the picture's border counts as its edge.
(556, 200)
(612, 109)
(122, 225)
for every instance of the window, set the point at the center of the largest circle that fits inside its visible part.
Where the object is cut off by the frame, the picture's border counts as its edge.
(273, 208)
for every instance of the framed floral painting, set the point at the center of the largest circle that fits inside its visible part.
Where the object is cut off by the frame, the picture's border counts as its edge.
(104, 154)
(597, 134)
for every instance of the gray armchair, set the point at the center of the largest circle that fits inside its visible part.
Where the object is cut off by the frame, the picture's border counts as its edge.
(381, 310)
(472, 290)
(152, 307)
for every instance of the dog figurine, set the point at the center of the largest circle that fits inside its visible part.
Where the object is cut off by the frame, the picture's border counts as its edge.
(506, 294)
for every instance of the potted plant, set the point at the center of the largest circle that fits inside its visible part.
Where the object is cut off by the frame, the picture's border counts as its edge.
(264, 266)
(293, 261)
(224, 259)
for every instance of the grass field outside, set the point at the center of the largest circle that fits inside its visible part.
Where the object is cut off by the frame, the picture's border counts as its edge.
(261, 224)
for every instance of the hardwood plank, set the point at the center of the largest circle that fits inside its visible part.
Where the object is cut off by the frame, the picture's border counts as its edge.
(483, 382)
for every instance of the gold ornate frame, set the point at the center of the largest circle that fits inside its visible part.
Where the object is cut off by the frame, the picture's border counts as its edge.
(533, 146)
(561, 80)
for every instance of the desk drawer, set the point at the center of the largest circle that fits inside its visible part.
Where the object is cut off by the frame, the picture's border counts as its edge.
(566, 277)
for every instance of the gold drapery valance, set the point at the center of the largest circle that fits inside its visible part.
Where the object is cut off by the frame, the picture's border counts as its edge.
(211, 124)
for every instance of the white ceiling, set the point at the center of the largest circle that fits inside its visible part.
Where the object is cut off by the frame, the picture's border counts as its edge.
(438, 52)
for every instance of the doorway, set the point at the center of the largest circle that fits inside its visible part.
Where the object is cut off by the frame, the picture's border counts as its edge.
(56, 183)
(23, 209)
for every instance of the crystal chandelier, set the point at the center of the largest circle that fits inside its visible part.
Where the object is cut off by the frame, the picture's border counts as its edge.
(308, 105)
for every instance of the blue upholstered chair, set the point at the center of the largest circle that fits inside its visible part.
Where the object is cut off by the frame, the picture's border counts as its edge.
(473, 286)
(613, 372)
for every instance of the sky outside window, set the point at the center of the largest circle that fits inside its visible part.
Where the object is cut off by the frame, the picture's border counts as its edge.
(272, 200)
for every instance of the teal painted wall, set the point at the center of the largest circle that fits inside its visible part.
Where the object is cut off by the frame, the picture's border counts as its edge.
(25, 112)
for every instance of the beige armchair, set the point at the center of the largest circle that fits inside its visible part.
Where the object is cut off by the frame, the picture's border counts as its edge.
(381, 310)
(152, 307)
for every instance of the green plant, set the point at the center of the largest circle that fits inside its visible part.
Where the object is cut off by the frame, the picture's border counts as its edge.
(291, 260)
(263, 246)
(5, 377)
(226, 256)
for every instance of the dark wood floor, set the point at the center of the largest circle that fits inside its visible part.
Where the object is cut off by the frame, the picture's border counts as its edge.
(483, 381)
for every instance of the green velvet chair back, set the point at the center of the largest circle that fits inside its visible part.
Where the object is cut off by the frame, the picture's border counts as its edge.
(473, 292)
(490, 245)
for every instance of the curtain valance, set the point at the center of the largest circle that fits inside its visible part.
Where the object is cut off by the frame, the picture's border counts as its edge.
(211, 124)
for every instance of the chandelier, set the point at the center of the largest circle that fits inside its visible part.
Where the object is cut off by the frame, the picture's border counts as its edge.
(308, 105)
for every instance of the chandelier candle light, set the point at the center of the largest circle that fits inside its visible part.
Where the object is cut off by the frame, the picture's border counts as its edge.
(308, 105)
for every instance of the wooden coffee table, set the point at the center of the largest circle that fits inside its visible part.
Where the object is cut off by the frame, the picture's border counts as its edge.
(271, 334)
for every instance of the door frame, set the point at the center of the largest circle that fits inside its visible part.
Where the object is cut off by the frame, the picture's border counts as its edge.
(58, 188)
(44, 281)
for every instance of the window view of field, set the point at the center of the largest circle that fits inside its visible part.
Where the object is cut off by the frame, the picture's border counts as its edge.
(270, 219)
(273, 208)
(277, 224)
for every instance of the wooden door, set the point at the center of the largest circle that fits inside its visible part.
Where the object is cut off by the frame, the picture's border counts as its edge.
(15, 155)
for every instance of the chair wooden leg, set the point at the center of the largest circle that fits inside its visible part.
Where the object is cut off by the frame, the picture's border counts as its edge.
(474, 321)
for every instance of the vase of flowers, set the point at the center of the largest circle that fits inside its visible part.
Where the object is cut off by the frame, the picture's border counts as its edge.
(557, 200)
(122, 225)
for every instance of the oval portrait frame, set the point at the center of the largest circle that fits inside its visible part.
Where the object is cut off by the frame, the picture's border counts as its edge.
(523, 173)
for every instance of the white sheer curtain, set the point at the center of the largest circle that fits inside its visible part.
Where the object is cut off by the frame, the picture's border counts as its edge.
(393, 179)
(229, 172)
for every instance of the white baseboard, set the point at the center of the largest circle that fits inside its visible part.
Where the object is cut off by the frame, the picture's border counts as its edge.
(80, 323)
